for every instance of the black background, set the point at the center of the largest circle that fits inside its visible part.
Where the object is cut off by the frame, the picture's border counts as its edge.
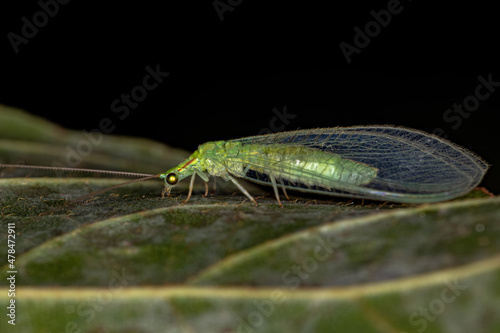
(226, 76)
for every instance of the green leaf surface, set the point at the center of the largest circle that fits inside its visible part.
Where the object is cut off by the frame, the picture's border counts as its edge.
(129, 261)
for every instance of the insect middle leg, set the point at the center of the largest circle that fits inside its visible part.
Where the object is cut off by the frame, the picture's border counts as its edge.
(214, 187)
(242, 189)
(206, 190)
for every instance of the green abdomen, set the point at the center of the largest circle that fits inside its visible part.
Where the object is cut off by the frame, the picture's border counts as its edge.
(309, 166)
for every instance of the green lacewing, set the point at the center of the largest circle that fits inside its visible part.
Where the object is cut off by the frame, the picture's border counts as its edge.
(384, 163)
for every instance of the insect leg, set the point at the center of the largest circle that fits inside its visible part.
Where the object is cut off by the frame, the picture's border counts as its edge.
(191, 185)
(284, 192)
(206, 189)
(242, 189)
(275, 188)
(214, 188)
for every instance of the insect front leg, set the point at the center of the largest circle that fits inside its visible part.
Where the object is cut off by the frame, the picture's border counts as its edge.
(205, 179)
(191, 185)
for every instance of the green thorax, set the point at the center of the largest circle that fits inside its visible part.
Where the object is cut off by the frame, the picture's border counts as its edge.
(198, 161)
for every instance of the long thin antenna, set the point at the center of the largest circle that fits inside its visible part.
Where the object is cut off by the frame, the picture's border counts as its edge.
(93, 194)
(109, 172)
(145, 176)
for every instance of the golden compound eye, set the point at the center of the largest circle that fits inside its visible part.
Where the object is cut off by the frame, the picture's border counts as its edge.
(172, 179)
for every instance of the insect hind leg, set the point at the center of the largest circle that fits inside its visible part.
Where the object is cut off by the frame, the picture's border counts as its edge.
(286, 194)
(276, 191)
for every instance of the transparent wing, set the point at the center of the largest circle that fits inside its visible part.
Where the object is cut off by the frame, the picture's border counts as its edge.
(412, 166)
